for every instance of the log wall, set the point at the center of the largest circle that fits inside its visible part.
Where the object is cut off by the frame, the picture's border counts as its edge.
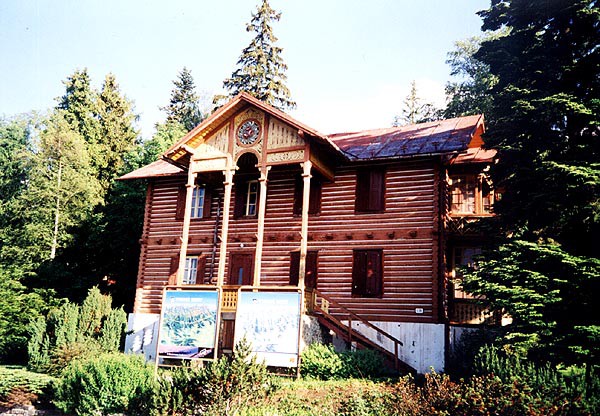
(407, 232)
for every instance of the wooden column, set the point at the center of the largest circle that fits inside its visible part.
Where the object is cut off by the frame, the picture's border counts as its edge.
(260, 233)
(228, 184)
(306, 167)
(185, 234)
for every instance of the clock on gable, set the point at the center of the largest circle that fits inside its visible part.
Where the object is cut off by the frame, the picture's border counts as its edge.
(248, 132)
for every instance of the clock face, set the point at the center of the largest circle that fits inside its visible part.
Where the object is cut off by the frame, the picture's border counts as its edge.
(248, 132)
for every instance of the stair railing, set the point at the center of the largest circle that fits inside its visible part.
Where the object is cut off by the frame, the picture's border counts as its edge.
(322, 303)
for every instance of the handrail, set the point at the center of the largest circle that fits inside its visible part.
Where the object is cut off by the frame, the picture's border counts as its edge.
(351, 315)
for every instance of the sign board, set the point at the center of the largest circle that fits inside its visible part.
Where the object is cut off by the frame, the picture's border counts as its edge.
(270, 322)
(188, 324)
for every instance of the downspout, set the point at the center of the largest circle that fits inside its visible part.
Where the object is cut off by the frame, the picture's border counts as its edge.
(215, 241)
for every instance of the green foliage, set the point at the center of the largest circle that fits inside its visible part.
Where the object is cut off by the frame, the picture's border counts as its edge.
(184, 107)
(414, 110)
(470, 92)
(222, 387)
(71, 331)
(543, 269)
(108, 383)
(261, 69)
(15, 379)
(322, 362)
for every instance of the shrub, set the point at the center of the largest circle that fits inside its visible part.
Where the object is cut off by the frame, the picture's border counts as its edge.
(17, 381)
(108, 383)
(221, 387)
(70, 331)
(322, 362)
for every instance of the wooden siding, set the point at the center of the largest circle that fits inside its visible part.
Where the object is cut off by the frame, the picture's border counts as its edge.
(407, 232)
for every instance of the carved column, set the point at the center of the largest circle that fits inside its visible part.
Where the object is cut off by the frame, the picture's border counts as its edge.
(228, 184)
(185, 234)
(306, 167)
(262, 206)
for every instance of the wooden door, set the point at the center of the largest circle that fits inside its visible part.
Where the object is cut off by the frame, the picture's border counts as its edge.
(241, 269)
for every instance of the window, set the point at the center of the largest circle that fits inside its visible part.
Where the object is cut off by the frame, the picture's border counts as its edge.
(367, 273)
(370, 190)
(251, 198)
(462, 257)
(246, 198)
(193, 274)
(314, 202)
(201, 202)
(310, 279)
(470, 194)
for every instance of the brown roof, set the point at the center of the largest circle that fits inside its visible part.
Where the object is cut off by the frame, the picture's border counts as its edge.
(474, 155)
(437, 137)
(153, 170)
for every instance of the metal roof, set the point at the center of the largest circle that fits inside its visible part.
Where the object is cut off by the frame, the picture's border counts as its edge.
(437, 137)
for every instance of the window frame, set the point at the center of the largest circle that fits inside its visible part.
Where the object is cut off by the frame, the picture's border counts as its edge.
(242, 194)
(361, 287)
(312, 265)
(199, 273)
(314, 202)
(455, 275)
(482, 193)
(206, 202)
(370, 190)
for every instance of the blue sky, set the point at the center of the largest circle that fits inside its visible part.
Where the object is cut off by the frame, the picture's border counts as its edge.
(350, 61)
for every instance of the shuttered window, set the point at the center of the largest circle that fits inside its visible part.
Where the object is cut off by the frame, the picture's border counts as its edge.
(367, 273)
(201, 202)
(310, 279)
(370, 190)
(314, 203)
(193, 273)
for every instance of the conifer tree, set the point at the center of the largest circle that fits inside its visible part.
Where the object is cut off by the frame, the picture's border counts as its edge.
(415, 110)
(117, 134)
(184, 107)
(545, 117)
(261, 69)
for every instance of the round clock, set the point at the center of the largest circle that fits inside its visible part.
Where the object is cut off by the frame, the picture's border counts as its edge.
(248, 132)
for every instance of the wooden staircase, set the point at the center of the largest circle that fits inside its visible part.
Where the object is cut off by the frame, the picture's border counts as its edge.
(319, 305)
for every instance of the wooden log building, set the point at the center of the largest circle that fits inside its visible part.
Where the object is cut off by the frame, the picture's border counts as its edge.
(371, 224)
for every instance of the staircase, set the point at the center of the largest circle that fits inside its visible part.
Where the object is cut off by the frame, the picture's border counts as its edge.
(319, 305)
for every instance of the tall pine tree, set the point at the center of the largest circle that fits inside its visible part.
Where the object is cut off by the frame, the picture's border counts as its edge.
(117, 134)
(184, 106)
(545, 118)
(261, 69)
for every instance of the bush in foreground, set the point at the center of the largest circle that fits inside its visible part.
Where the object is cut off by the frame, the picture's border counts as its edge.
(322, 362)
(19, 386)
(108, 383)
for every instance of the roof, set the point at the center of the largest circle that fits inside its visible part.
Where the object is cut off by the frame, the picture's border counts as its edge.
(153, 170)
(436, 137)
(474, 155)
(214, 121)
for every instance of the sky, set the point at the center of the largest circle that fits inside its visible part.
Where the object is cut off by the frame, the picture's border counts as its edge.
(350, 62)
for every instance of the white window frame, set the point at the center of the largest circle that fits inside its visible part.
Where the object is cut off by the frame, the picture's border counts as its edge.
(250, 209)
(198, 198)
(190, 272)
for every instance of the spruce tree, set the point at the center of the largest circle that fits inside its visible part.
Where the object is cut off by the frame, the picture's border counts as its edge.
(183, 107)
(415, 110)
(544, 269)
(117, 134)
(261, 69)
